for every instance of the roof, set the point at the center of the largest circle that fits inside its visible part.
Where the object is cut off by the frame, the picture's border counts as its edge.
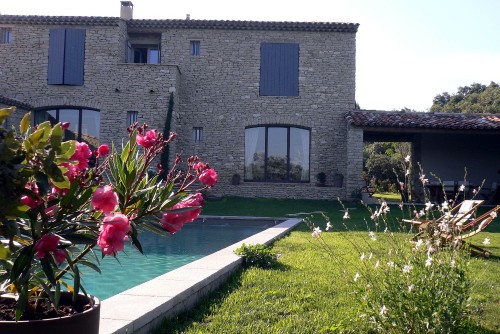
(16, 103)
(183, 24)
(423, 120)
(59, 20)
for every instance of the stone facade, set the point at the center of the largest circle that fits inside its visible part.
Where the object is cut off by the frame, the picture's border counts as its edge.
(217, 90)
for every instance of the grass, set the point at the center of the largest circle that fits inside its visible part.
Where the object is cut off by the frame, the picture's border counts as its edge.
(306, 292)
(388, 196)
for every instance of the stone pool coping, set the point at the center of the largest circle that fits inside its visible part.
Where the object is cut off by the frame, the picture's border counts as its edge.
(143, 307)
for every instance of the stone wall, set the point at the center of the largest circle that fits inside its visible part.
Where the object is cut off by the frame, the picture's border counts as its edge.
(218, 90)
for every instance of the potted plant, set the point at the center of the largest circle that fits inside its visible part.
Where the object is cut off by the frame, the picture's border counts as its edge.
(321, 178)
(337, 180)
(235, 179)
(56, 209)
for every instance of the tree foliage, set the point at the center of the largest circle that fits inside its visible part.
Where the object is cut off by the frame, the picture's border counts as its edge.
(474, 99)
(383, 163)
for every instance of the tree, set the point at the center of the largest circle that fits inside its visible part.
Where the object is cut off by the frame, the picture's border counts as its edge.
(383, 162)
(474, 99)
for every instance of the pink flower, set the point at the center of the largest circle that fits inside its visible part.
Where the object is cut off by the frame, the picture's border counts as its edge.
(105, 199)
(208, 177)
(119, 221)
(102, 150)
(148, 140)
(30, 201)
(82, 155)
(113, 234)
(48, 244)
(173, 221)
(71, 172)
(199, 166)
(110, 240)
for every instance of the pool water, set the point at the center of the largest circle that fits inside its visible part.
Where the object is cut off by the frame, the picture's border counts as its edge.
(163, 254)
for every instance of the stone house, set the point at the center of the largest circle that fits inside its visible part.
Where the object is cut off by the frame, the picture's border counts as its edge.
(264, 100)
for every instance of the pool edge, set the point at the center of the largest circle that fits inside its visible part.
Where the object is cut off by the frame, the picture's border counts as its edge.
(141, 308)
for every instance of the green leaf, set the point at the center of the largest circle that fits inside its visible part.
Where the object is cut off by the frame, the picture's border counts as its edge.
(135, 240)
(4, 252)
(76, 282)
(22, 302)
(67, 150)
(25, 123)
(56, 137)
(49, 272)
(91, 265)
(5, 113)
(35, 138)
(22, 262)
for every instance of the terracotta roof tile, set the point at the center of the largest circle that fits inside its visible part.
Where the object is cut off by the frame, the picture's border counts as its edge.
(245, 25)
(182, 24)
(59, 20)
(423, 120)
(16, 103)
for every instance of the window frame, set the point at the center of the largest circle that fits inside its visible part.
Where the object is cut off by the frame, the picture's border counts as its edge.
(132, 116)
(5, 35)
(197, 134)
(195, 48)
(266, 158)
(80, 117)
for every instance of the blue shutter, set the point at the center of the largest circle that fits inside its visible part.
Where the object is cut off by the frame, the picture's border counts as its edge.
(74, 58)
(55, 74)
(279, 69)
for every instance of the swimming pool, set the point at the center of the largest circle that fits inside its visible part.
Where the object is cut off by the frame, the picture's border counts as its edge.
(164, 254)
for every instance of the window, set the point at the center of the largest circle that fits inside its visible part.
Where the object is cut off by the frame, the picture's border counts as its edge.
(143, 48)
(197, 134)
(144, 54)
(277, 154)
(5, 36)
(131, 117)
(279, 69)
(66, 56)
(195, 48)
(84, 123)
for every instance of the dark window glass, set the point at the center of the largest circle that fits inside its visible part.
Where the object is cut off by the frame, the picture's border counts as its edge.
(195, 48)
(84, 123)
(131, 117)
(197, 134)
(277, 154)
(5, 36)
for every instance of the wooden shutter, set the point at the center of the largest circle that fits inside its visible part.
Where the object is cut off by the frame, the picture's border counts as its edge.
(279, 69)
(74, 58)
(66, 56)
(56, 56)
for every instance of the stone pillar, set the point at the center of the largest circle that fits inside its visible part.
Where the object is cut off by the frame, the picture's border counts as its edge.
(354, 178)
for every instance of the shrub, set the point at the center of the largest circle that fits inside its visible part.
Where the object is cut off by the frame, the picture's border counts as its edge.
(258, 255)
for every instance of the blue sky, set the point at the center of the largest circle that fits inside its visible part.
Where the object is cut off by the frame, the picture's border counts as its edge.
(408, 51)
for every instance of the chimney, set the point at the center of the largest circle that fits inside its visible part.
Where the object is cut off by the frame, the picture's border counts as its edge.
(188, 17)
(127, 10)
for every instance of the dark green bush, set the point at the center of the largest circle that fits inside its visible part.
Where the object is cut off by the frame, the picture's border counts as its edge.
(258, 255)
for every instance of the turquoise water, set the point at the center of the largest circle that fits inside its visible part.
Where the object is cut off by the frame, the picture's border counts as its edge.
(164, 254)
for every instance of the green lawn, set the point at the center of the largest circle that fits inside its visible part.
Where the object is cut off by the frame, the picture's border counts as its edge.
(307, 293)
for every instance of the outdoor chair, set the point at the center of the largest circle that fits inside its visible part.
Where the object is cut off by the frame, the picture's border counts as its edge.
(458, 234)
(456, 216)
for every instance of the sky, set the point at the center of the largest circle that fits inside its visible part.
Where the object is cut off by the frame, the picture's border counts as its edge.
(407, 51)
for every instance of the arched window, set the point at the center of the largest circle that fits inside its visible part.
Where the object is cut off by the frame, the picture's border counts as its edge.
(84, 123)
(277, 153)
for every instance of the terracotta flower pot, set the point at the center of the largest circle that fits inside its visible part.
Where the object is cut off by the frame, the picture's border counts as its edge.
(86, 322)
